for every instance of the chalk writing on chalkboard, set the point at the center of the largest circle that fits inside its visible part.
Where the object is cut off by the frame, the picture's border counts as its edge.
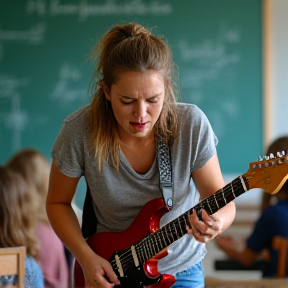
(211, 60)
(67, 87)
(15, 119)
(211, 56)
(34, 36)
(217, 46)
(83, 10)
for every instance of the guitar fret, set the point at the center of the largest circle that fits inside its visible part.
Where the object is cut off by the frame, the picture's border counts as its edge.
(179, 224)
(156, 242)
(150, 247)
(178, 233)
(142, 254)
(233, 190)
(175, 229)
(169, 233)
(163, 236)
(145, 251)
(140, 251)
(223, 196)
(182, 225)
(221, 200)
(162, 241)
(211, 211)
(185, 217)
(216, 201)
(243, 183)
(173, 232)
(153, 245)
(180, 229)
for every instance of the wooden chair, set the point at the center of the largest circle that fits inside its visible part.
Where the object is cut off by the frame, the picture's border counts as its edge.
(12, 262)
(281, 244)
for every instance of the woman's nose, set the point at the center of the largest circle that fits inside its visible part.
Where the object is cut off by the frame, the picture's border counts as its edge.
(140, 110)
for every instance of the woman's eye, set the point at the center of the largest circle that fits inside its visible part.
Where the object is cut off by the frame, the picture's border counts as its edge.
(153, 100)
(126, 102)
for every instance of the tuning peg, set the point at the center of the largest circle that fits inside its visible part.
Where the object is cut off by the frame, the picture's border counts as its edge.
(272, 155)
(283, 153)
(267, 157)
(260, 158)
(278, 154)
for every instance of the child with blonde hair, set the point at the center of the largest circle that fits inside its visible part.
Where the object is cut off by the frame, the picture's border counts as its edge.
(17, 226)
(34, 168)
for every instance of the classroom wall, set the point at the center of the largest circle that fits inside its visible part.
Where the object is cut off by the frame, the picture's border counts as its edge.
(279, 68)
(235, 34)
(277, 96)
(216, 45)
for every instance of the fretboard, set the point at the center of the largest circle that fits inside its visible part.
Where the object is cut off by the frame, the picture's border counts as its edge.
(174, 230)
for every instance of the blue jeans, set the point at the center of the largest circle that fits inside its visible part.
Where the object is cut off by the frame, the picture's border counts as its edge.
(192, 277)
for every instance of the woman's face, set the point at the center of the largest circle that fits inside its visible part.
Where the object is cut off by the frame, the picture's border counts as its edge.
(137, 100)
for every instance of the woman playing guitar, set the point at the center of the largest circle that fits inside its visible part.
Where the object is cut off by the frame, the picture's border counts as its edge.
(113, 142)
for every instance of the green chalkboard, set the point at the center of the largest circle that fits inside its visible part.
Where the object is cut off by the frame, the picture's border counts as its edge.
(45, 75)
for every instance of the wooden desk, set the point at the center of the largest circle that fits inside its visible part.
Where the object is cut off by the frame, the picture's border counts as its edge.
(232, 265)
(265, 283)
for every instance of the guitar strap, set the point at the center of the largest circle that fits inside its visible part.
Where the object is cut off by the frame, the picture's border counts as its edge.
(89, 219)
(165, 172)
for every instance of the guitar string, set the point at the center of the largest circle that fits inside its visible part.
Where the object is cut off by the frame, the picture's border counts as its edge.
(173, 228)
(211, 199)
(149, 237)
(169, 232)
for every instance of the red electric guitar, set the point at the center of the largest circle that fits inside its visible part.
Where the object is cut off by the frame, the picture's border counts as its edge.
(134, 252)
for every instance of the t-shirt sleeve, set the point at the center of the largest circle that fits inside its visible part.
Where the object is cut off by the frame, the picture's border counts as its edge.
(67, 150)
(203, 140)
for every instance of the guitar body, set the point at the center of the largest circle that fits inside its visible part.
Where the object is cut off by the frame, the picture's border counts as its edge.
(105, 244)
(134, 252)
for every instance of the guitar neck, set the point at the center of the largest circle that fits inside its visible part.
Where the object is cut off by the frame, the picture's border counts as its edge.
(174, 230)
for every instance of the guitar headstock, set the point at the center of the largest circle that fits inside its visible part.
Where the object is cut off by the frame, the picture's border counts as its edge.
(269, 173)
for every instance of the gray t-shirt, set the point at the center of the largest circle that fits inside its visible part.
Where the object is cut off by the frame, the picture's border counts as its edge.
(119, 195)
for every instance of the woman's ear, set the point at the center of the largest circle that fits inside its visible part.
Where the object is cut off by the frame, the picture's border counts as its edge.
(106, 92)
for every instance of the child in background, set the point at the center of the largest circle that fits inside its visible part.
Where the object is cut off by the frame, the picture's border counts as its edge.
(273, 221)
(17, 226)
(34, 168)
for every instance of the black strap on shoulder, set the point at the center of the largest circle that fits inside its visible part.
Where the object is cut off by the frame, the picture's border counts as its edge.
(165, 172)
(89, 219)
